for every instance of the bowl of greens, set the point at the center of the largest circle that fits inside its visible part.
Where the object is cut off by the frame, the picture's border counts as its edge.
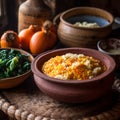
(15, 67)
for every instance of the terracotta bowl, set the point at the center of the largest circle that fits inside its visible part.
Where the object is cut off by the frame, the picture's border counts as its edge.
(111, 46)
(11, 82)
(74, 36)
(74, 91)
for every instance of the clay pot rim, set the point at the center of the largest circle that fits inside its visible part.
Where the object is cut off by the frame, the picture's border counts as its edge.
(16, 77)
(36, 71)
(61, 15)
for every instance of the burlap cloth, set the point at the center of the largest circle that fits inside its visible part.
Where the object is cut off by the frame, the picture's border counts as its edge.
(26, 102)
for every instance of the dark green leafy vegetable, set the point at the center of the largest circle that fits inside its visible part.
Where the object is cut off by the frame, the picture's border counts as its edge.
(13, 63)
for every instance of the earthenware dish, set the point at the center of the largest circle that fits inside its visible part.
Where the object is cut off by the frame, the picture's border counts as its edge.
(11, 82)
(110, 46)
(74, 91)
(74, 36)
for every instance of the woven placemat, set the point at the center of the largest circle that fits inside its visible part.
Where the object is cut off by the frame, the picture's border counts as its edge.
(26, 102)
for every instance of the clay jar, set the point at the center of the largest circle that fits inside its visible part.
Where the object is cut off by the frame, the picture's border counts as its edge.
(33, 12)
(74, 36)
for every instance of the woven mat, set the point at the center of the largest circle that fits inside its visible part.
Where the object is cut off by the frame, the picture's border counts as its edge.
(26, 102)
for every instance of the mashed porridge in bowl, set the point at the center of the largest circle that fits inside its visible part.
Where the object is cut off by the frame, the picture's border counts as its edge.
(73, 67)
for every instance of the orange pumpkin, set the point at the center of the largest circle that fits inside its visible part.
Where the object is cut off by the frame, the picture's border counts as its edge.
(49, 25)
(42, 40)
(25, 36)
(9, 39)
(50, 28)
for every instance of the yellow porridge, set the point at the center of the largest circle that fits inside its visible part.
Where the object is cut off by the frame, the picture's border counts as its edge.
(73, 66)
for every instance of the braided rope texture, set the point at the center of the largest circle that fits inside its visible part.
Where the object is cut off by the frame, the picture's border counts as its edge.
(47, 108)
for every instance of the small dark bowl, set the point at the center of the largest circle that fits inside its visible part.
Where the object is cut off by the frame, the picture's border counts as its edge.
(110, 47)
(74, 91)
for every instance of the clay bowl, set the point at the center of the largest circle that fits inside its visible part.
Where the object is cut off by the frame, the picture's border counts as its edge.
(74, 91)
(11, 82)
(76, 36)
(111, 47)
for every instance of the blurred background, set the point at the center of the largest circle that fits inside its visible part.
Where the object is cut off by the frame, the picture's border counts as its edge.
(9, 9)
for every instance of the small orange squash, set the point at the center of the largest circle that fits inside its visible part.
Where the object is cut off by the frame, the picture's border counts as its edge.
(49, 25)
(9, 39)
(25, 36)
(50, 28)
(42, 40)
